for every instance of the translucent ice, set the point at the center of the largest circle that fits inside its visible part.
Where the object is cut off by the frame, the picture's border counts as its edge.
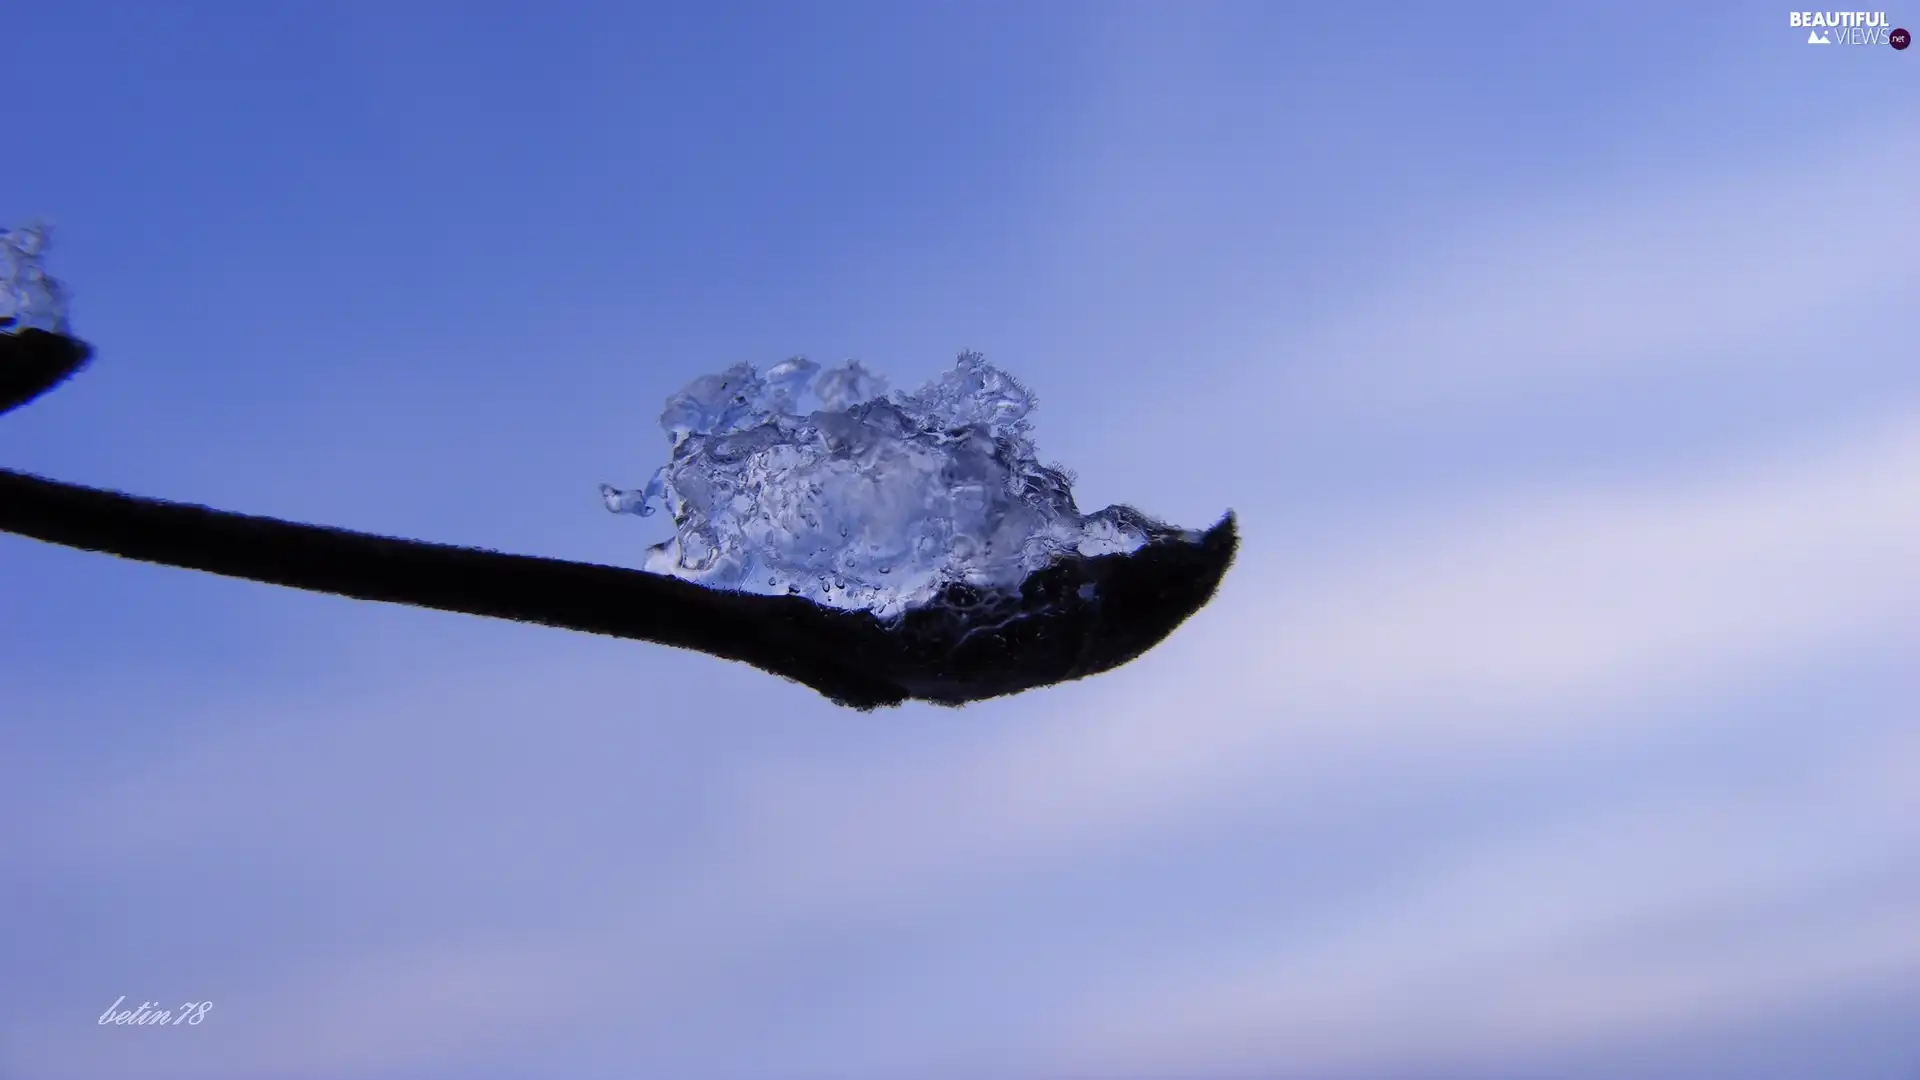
(29, 296)
(871, 500)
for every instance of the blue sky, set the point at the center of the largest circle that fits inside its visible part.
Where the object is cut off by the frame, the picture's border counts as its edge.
(1556, 720)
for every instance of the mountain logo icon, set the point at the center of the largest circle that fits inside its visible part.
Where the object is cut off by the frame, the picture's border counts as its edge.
(1817, 37)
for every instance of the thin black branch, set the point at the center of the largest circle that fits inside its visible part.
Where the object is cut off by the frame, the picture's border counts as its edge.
(1079, 617)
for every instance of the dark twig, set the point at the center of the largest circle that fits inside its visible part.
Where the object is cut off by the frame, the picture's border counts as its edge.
(1076, 618)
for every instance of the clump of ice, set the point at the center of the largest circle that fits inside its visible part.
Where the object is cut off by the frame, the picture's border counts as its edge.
(29, 296)
(869, 500)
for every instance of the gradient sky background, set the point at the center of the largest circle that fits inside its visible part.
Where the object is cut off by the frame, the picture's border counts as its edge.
(1557, 720)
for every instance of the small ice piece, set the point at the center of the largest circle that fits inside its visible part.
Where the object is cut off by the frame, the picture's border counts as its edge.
(29, 296)
(870, 501)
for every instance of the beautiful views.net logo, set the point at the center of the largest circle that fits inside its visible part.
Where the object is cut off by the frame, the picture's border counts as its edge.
(1849, 28)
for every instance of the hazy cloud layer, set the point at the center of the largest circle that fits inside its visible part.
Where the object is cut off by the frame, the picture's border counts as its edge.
(1558, 716)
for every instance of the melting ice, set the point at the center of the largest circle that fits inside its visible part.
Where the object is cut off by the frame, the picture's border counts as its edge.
(867, 500)
(29, 296)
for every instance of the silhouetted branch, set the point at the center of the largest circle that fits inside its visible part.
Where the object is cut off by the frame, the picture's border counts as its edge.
(1079, 617)
(33, 362)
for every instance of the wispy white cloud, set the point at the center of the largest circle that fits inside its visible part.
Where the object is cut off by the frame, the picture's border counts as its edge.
(1677, 272)
(1629, 921)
